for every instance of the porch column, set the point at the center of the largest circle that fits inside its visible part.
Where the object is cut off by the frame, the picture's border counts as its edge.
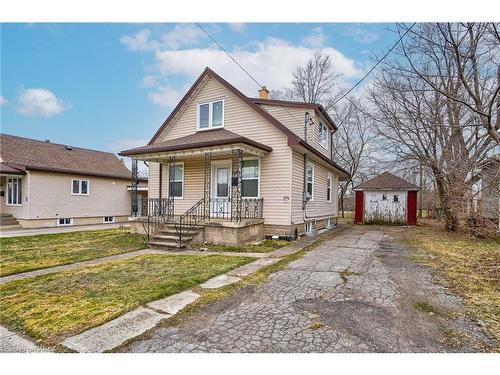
(207, 185)
(134, 195)
(171, 175)
(237, 166)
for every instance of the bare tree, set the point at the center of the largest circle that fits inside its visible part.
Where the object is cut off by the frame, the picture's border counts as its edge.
(469, 54)
(420, 123)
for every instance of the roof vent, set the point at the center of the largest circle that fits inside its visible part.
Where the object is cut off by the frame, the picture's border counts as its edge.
(47, 141)
(69, 148)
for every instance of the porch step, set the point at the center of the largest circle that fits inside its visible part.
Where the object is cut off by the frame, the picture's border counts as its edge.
(170, 244)
(10, 227)
(170, 237)
(8, 220)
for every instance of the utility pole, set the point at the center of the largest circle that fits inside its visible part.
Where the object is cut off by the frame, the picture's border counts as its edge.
(421, 191)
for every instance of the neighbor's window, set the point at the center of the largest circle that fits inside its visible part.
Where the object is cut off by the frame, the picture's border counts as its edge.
(250, 179)
(80, 187)
(65, 221)
(14, 192)
(178, 181)
(328, 187)
(310, 181)
(109, 219)
(384, 196)
(323, 135)
(396, 198)
(211, 115)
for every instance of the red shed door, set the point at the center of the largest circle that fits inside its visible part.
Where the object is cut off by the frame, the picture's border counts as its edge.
(411, 208)
(358, 216)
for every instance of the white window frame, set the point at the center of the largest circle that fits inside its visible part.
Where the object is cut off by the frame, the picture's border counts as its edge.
(210, 119)
(108, 222)
(258, 177)
(329, 178)
(64, 225)
(19, 182)
(312, 182)
(323, 140)
(181, 163)
(80, 186)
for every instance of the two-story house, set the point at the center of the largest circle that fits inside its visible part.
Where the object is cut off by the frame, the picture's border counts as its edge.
(239, 168)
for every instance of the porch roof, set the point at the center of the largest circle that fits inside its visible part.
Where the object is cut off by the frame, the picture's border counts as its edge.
(11, 169)
(201, 141)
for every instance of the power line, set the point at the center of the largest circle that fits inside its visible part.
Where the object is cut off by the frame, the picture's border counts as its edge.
(374, 66)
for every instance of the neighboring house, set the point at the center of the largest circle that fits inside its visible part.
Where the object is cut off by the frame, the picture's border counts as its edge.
(386, 199)
(486, 202)
(43, 184)
(256, 166)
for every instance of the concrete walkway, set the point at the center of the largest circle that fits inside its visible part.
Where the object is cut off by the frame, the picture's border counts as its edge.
(11, 342)
(134, 323)
(77, 228)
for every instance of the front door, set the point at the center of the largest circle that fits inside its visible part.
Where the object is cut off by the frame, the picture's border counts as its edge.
(221, 177)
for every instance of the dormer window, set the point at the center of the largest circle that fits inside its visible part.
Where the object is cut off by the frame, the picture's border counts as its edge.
(211, 115)
(323, 135)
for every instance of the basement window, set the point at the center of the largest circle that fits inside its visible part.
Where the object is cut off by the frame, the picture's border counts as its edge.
(384, 196)
(396, 199)
(109, 219)
(64, 221)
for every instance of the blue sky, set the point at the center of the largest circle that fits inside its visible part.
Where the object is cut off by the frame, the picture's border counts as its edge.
(110, 86)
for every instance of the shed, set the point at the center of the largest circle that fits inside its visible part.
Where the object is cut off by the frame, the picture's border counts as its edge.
(386, 199)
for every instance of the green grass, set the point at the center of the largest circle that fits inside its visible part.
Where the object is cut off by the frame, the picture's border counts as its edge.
(54, 306)
(467, 266)
(265, 246)
(22, 254)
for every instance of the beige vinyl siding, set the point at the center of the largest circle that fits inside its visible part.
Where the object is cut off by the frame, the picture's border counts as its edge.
(318, 207)
(240, 119)
(50, 197)
(153, 180)
(293, 119)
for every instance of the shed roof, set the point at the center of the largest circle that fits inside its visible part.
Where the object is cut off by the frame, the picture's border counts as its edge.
(387, 181)
(30, 154)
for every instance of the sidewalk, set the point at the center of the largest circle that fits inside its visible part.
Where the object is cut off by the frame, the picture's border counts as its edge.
(77, 228)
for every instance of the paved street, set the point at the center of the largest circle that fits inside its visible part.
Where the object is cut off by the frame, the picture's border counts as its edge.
(356, 292)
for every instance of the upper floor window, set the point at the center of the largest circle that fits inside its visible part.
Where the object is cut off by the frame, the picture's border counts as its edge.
(80, 187)
(323, 135)
(211, 115)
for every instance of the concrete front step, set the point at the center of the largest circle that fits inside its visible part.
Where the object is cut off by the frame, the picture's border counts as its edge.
(167, 244)
(165, 237)
(10, 227)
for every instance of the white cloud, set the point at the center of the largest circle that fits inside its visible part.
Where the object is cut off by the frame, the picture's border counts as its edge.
(265, 62)
(360, 34)
(149, 81)
(40, 102)
(181, 35)
(139, 41)
(237, 27)
(316, 38)
(165, 96)
(126, 144)
(3, 100)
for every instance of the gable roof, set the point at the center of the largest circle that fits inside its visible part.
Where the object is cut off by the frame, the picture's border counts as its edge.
(292, 138)
(204, 138)
(386, 181)
(318, 108)
(30, 154)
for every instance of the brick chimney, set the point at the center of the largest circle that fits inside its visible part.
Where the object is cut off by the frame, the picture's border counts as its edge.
(263, 93)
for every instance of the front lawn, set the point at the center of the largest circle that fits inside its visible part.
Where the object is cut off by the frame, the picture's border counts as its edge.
(265, 246)
(54, 306)
(21, 254)
(468, 266)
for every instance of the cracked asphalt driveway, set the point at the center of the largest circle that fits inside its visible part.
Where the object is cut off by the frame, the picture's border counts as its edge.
(355, 292)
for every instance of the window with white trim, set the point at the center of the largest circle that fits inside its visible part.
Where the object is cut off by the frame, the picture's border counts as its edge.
(178, 181)
(109, 219)
(80, 187)
(14, 191)
(310, 181)
(64, 221)
(323, 135)
(250, 178)
(211, 115)
(329, 187)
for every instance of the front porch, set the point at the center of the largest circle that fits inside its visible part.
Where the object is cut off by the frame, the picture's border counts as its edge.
(203, 185)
